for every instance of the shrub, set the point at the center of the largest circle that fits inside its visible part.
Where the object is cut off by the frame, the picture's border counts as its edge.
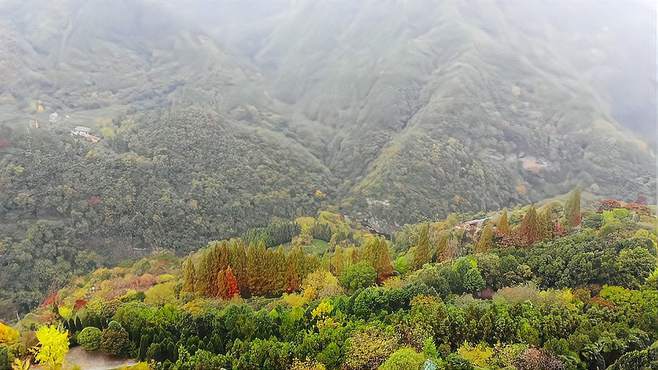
(403, 359)
(479, 355)
(114, 340)
(90, 338)
(368, 348)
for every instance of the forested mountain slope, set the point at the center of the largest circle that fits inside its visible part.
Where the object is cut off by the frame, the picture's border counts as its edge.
(215, 117)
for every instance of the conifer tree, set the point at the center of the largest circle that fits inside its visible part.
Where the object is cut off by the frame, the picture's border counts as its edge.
(337, 261)
(502, 226)
(238, 262)
(222, 286)
(485, 243)
(377, 255)
(189, 276)
(572, 209)
(546, 224)
(529, 230)
(232, 289)
(384, 265)
(422, 252)
(294, 267)
(257, 269)
(442, 248)
(204, 276)
(278, 267)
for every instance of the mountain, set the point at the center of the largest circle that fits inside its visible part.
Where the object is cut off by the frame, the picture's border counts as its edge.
(217, 116)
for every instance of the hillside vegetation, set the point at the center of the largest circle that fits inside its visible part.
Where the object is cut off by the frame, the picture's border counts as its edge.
(215, 122)
(537, 287)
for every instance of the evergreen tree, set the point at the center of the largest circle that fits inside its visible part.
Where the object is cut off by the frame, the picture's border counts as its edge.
(529, 230)
(572, 210)
(422, 252)
(189, 276)
(143, 347)
(232, 289)
(485, 243)
(502, 226)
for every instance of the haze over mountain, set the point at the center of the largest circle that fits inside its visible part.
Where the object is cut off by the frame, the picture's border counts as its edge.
(397, 110)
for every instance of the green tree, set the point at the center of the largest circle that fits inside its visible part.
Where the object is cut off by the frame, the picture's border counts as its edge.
(403, 359)
(161, 294)
(357, 276)
(633, 266)
(473, 281)
(572, 209)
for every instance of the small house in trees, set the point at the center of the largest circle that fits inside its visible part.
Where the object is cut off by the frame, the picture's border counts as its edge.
(85, 132)
(472, 227)
(53, 118)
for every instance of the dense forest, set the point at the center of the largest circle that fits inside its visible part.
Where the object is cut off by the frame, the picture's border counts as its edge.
(548, 286)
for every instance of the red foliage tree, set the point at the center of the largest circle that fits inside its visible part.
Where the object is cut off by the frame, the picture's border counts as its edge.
(232, 289)
(79, 303)
(640, 209)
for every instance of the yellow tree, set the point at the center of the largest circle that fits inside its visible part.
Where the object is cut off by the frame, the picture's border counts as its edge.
(53, 346)
(422, 251)
(8, 335)
(189, 275)
(485, 243)
(376, 254)
(502, 226)
(338, 261)
(529, 230)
